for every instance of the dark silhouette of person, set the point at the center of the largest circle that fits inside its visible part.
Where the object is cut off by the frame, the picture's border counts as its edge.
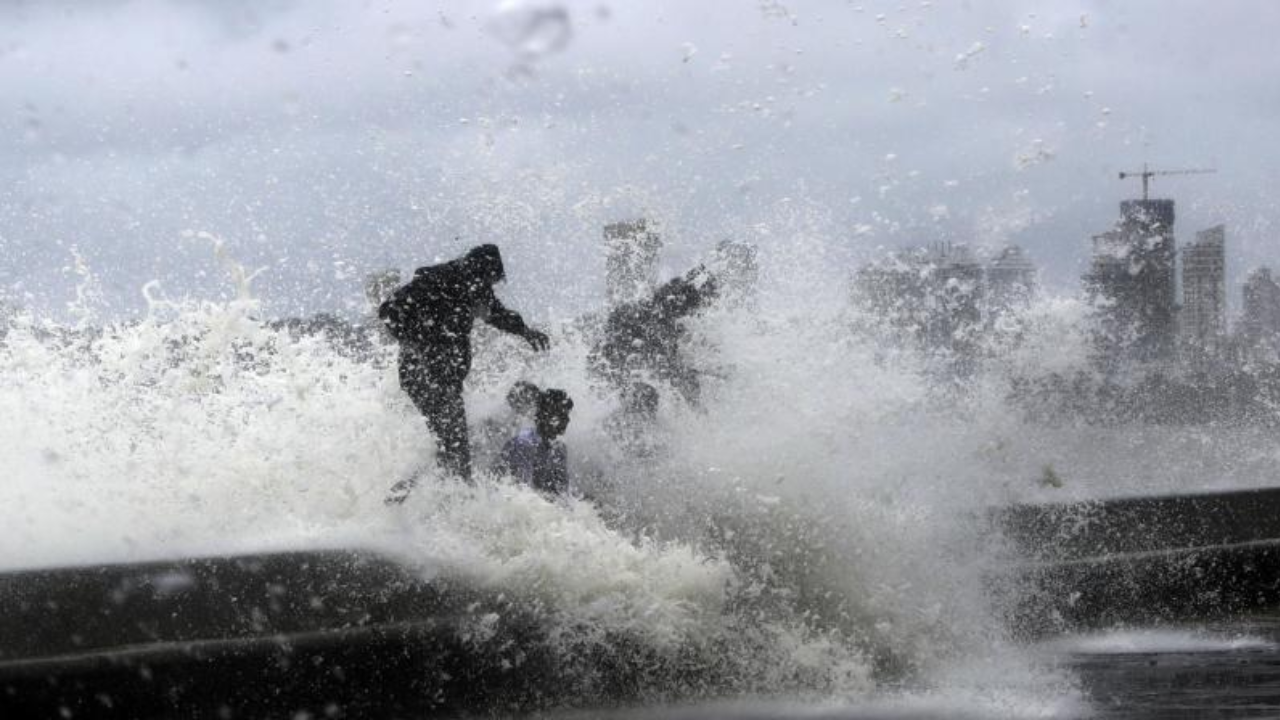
(644, 337)
(431, 317)
(536, 456)
(523, 398)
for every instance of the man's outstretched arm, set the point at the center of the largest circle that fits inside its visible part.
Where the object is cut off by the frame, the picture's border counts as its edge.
(508, 320)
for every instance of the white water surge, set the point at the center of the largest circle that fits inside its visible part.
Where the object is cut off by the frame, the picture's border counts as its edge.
(813, 530)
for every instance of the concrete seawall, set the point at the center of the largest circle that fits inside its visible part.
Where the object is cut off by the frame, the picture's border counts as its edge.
(350, 633)
(327, 633)
(1141, 560)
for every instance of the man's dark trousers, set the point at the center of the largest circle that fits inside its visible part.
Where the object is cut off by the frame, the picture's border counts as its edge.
(438, 396)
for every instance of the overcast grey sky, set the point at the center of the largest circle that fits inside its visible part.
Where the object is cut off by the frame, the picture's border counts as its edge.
(326, 138)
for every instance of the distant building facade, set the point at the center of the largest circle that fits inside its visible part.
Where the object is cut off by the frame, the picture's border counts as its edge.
(1011, 278)
(1260, 316)
(378, 286)
(7, 313)
(1131, 282)
(631, 260)
(944, 295)
(1203, 317)
(736, 268)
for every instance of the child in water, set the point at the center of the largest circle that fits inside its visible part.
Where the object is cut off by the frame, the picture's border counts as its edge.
(536, 456)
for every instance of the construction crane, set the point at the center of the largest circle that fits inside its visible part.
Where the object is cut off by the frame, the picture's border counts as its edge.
(1146, 175)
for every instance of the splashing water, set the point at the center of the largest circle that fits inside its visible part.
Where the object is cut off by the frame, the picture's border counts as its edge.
(814, 528)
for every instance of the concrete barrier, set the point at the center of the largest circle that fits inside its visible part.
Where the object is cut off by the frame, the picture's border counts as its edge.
(1141, 560)
(319, 634)
(346, 633)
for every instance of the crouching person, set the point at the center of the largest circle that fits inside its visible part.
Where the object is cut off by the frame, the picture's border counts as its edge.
(536, 456)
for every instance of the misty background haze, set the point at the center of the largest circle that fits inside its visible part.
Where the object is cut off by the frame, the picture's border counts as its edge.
(323, 140)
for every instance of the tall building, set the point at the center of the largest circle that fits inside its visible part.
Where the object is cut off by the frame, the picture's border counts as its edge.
(959, 296)
(1132, 283)
(1260, 319)
(943, 295)
(897, 289)
(631, 260)
(1011, 278)
(1203, 317)
(7, 312)
(736, 268)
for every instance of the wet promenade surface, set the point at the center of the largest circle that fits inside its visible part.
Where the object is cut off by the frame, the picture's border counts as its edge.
(1229, 669)
(1225, 669)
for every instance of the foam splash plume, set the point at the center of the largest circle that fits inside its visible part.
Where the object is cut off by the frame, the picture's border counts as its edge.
(813, 529)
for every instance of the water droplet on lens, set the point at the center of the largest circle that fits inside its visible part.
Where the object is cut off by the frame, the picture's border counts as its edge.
(532, 28)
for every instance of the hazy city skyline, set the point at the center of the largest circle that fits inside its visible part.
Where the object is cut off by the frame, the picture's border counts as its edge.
(324, 140)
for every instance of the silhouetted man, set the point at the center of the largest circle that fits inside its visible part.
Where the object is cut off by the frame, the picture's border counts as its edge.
(431, 317)
(644, 337)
